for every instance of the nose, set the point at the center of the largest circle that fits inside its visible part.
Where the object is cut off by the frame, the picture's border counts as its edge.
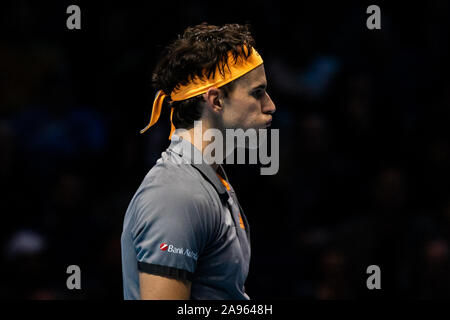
(269, 106)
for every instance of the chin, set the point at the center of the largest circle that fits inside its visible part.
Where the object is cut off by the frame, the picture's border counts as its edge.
(257, 127)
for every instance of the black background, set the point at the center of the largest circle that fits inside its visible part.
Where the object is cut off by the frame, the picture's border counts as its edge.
(364, 144)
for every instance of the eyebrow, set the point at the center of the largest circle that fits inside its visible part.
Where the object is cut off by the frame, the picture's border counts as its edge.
(261, 86)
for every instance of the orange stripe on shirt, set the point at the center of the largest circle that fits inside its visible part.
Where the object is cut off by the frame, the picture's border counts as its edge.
(224, 182)
(241, 223)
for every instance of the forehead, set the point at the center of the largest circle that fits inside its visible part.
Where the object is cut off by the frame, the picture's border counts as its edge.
(253, 78)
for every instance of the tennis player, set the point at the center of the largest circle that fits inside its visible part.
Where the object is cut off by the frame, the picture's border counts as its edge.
(185, 235)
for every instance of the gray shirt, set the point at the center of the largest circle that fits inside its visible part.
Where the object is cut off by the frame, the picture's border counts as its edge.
(185, 223)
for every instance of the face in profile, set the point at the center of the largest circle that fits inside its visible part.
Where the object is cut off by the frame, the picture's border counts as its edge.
(248, 106)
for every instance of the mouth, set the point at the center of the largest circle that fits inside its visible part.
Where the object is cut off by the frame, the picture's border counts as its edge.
(269, 123)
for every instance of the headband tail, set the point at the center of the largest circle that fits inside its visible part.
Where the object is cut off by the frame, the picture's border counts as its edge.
(156, 111)
(172, 127)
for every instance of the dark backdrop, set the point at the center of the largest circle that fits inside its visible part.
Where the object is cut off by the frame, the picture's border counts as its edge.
(364, 144)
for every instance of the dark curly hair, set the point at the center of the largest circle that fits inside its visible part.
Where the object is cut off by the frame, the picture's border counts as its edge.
(197, 53)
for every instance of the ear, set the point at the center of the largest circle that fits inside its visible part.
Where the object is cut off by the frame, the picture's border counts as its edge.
(213, 98)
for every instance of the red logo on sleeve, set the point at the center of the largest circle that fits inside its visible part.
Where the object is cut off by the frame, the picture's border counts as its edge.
(163, 246)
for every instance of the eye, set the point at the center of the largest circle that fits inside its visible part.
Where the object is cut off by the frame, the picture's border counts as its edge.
(258, 94)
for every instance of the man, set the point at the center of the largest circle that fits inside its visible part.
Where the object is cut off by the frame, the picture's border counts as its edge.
(185, 235)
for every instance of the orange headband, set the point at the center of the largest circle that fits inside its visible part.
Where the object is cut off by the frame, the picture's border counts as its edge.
(237, 68)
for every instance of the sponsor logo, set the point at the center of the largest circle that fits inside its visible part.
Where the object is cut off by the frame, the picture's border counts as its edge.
(172, 249)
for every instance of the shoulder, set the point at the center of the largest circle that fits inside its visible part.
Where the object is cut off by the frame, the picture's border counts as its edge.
(174, 191)
(167, 181)
(175, 198)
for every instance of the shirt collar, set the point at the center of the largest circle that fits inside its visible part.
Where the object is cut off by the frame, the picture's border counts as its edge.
(190, 153)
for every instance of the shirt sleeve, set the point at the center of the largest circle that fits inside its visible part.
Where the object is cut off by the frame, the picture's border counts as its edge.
(171, 230)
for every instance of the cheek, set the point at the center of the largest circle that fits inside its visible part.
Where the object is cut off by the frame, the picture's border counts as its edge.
(251, 112)
(243, 113)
